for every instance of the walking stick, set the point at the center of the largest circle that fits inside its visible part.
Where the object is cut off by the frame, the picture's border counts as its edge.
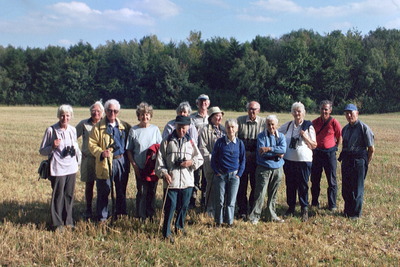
(162, 210)
(112, 186)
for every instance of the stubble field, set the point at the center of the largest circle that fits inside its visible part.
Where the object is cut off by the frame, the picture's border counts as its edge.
(326, 239)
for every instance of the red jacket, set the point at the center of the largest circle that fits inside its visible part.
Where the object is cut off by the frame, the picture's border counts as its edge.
(148, 173)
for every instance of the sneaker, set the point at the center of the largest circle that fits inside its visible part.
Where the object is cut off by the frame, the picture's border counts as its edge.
(333, 209)
(254, 222)
(304, 214)
(278, 220)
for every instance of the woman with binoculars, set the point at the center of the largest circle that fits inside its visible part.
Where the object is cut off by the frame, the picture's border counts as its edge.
(301, 137)
(60, 144)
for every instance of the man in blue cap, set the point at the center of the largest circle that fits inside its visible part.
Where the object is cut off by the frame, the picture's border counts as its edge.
(358, 150)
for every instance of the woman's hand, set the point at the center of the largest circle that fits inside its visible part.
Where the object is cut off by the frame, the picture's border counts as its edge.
(56, 143)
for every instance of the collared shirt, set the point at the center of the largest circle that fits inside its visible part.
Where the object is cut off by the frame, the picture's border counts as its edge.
(199, 121)
(248, 131)
(228, 156)
(118, 137)
(278, 146)
(357, 137)
(328, 136)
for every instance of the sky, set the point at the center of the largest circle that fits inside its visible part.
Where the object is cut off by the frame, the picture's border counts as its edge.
(40, 23)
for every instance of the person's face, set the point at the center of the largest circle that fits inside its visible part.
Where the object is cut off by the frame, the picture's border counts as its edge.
(181, 130)
(253, 110)
(231, 129)
(351, 116)
(184, 112)
(203, 104)
(96, 113)
(298, 115)
(216, 119)
(144, 117)
(112, 113)
(272, 126)
(65, 117)
(326, 111)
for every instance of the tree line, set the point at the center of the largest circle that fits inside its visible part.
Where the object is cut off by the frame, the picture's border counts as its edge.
(299, 66)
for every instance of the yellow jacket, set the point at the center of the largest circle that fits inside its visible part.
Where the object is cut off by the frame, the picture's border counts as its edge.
(99, 139)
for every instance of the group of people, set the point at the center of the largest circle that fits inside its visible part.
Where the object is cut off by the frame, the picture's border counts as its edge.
(197, 153)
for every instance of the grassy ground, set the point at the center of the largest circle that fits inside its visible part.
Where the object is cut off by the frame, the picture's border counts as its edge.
(326, 239)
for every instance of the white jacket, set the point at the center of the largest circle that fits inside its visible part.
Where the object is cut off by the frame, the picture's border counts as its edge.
(170, 152)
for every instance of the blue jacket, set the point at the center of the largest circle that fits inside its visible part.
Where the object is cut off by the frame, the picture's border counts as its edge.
(228, 156)
(278, 146)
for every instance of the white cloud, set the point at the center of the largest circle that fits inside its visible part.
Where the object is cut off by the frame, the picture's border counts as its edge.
(161, 8)
(279, 6)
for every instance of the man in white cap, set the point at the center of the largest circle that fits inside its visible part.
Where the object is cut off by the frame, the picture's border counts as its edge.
(200, 119)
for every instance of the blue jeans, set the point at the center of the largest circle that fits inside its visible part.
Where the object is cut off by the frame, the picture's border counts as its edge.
(120, 173)
(177, 200)
(225, 190)
(297, 175)
(267, 183)
(324, 160)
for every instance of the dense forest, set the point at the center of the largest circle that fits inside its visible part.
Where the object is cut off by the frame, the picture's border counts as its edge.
(299, 66)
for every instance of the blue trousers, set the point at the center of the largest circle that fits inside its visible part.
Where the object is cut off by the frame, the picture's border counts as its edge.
(297, 175)
(225, 190)
(354, 172)
(324, 160)
(120, 174)
(177, 200)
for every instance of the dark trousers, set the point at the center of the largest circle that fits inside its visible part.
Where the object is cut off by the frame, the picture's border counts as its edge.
(245, 204)
(324, 160)
(177, 200)
(120, 173)
(146, 204)
(354, 172)
(297, 174)
(62, 199)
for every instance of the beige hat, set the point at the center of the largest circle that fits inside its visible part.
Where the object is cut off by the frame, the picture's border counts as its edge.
(214, 110)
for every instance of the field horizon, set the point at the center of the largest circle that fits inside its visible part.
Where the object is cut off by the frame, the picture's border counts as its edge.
(326, 239)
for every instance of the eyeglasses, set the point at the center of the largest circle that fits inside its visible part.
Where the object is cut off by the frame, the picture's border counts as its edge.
(115, 111)
(253, 109)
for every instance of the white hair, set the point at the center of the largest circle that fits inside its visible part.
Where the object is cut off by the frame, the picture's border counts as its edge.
(64, 109)
(112, 102)
(272, 118)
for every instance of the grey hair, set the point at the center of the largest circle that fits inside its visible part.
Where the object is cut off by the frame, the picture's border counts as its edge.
(100, 105)
(272, 118)
(143, 107)
(64, 109)
(112, 102)
(248, 104)
(184, 106)
(325, 102)
(231, 122)
(298, 105)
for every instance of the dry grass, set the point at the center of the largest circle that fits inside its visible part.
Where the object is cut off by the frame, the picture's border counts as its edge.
(326, 239)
